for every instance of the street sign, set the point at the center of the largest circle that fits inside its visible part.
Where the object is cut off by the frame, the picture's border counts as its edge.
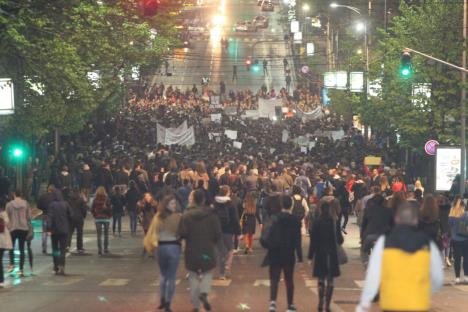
(294, 26)
(430, 147)
(7, 97)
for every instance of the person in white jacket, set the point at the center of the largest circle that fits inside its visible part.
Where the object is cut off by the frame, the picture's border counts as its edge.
(5, 240)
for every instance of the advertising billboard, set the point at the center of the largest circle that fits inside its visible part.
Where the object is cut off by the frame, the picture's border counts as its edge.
(448, 165)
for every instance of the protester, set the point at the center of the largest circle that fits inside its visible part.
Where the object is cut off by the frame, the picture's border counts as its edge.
(249, 218)
(460, 242)
(429, 221)
(444, 210)
(229, 220)
(59, 214)
(162, 234)
(43, 204)
(79, 209)
(283, 247)
(19, 219)
(102, 212)
(377, 221)
(131, 200)
(147, 207)
(324, 240)
(117, 202)
(201, 230)
(404, 252)
(5, 238)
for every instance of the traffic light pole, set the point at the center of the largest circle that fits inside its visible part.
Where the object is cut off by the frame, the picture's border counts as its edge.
(463, 70)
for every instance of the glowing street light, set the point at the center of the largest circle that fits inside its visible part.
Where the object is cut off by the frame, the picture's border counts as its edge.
(305, 7)
(360, 27)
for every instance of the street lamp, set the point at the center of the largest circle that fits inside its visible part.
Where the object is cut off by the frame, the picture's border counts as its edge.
(360, 27)
(305, 7)
(336, 5)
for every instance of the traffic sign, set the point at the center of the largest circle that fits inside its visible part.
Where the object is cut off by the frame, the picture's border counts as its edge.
(430, 147)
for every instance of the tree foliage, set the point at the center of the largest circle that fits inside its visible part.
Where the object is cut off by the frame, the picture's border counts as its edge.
(49, 48)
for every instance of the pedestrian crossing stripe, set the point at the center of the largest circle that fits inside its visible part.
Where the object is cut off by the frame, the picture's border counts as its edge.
(63, 282)
(463, 288)
(177, 282)
(360, 284)
(115, 282)
(310, 282)
(265, 283)
(221, 283)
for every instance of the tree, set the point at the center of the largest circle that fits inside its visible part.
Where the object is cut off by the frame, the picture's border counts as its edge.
(49, 49)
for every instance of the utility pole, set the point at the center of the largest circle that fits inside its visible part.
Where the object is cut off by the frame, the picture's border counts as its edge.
(463, 106)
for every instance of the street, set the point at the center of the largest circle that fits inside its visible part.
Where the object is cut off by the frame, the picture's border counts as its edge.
(125, 281)
(207, 58)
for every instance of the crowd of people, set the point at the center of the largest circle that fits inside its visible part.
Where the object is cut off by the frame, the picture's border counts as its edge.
(212, 196)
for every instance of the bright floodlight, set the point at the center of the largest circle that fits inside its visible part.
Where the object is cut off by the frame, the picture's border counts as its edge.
(218, 20)
(305, 7)
(334, 5)
(360, 26)
(17, 152)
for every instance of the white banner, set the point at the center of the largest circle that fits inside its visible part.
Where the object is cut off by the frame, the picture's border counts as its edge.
(182, 135)
(317, 113)
(285, 136)
(216, 118)
(231, 134)
(251, 113)
(266, 108)
(214, 101)
(237, 145)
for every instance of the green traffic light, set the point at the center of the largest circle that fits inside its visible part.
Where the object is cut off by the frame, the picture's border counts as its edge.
(405, 72)
(17, 152)
(256, 68)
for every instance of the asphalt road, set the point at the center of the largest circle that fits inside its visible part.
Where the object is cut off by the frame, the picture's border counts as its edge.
(207, 58)
(125, 281)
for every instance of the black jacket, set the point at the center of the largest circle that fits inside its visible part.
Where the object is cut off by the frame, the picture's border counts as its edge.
(86, 179)
(131, 199)
(324, 238)
(232, 226)
(201, 230)
(117, 202)
(59, 214)
(44, 201)
(377, 219)
(79, 208)
(289, 228)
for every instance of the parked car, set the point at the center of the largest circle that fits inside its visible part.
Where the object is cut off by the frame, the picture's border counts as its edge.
(245, 26)
(260, 21)
(267, 6)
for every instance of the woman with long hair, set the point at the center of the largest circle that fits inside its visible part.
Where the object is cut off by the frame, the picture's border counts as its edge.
(385, 187)
(162, 234)
(324, 240)
(460, 243)
(248, 221)
(147, 207)
(102, 213)
(429, 221)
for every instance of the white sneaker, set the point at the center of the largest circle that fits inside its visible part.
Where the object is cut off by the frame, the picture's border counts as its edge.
(457, 281)
(2, 285)
(465, 280)
(272, 306)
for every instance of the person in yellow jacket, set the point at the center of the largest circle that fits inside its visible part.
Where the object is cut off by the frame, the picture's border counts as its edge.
(162, 237)
(405, 267)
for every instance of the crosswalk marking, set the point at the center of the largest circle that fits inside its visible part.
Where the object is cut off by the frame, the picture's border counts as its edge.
(177, 282)
(65, 282)
(265, 283)
(221, 283)
(115, 282)
(360, 284)
(310, 282)
(461, 287)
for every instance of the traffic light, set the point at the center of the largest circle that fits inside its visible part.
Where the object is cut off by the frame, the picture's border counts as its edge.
(406, 68)
(248, 62)
(256, 66)
(17, 152)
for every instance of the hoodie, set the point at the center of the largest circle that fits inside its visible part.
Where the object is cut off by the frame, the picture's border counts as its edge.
(227, 215)
(19, 214)
(59, 214)
(201, 230)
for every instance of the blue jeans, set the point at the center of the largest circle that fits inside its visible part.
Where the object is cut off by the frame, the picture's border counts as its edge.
(117, 221)
(168, 260)
(99, 229)
(133, 221)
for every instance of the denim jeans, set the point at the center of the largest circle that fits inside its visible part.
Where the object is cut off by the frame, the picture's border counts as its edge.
(133, 221)
(117, 221)
(19, 235)
(99, 226)
(168, 260)
(225, 252)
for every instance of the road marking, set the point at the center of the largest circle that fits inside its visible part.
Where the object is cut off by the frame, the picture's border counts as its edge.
(115, 282)
(265, 283)
(360, 284)
(221, 283)
(177, 282)
(310, 282)
(66, 282)
(461, 287)
(333, 306)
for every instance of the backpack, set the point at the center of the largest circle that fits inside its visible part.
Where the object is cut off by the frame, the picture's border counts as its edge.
(270, 237)
(298, 209)
(222, 211)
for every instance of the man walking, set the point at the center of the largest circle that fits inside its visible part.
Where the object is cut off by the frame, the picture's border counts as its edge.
(265, 67)
(405, 267)
(59, 214)
(234, 73)
(201, 230)
(43, 204)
